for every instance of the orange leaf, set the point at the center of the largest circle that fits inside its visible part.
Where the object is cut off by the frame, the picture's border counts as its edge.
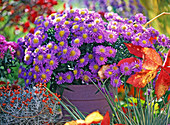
(152, 59)
(128, 60)
(106, 119)
(94, 118)
(162, 83)
(140, 79)
(134, 49)
(102, 70)
(167, 60)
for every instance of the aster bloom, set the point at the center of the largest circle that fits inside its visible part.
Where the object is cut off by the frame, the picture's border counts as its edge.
(46, 24)
(115, 81)
(45, 76)
(39, 59)
(28, 58)
(110, 52)
(27, 81)
(109, 73)
(86, 76)
(77, 42)
(38, 20)
(136, 66)
(20, 53)
(111, 37)
(140, 18)
(62, 33)
(94, 67)
(35, 41)
(62, 44)
(163, 40)
(144, 43)
(69, 77)
(83, 61)
(153, 32)
(22, 72)
(76, 72)
(52, 63)
(126, 68)
(90, 57)
(99, 38)
(100, 50)
(115, 68)
(73, 54)
(60, 78)
(101, 60)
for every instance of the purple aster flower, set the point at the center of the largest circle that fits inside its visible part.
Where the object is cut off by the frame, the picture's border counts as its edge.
(36, 77)
(136, 66)
(59, 21)
(63, 44)
(62, 33)
(100, 50)
(28, 58)
(73, 53)
(37, 68)
(46, 24)
(111, 37)
(76, 72)
(44, 36)
(145, 43)
(69, 77)
(115, 69)
(94, 67)
(22, 72)
(125, 68)
(140, 18)
(110, 52)
(163, 40)
(27, 81)
(90, 57)
(153, 32)
(20, 53)
(39, 59)
(35, 41)
(101, 60)
(75, 28)
(45, 75)
(115, 81)
(60, 78)
(86, 76)
(30, 73)
(52, 63)
(109, 73)
(39, 20)
(99, 38)
(83, 61)
(77, 42)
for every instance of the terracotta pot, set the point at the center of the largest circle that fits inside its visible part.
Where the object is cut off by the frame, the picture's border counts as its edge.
(85, 98)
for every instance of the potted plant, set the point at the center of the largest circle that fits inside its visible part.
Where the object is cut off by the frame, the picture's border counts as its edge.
(70, 48)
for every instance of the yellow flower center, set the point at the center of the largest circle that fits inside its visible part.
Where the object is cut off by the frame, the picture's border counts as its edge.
(86, 78)
(95, 67)
(49, 45)
(47, 70)
(97, 21)
(58, 20)
(37, 32)
(35, 40)
(43, 36)
(76, 19)
(77, 40)
(66, 22)
(82, 60)
(110, 51)
(68, 77)
(64, 51)
(72, 53)
(100, 37)
(35, 76)
(90, 56)
(84, 36)
(75, 26)
(123, 27)
(61, 43)
(153, 31)
(81, 28)
(61, 33)
(27, 57)
(48, 56)
(55, 47)
(128, 33)
(101, 58)
(82, 12)
(113, 27)
(102, 50)
(75, 71)
(51, 62)
(95, 30)
(114, 68)
(37, 68)
(89, 25)
(43, 76)
(30, 73)
(110, 73)
(163, 40)
(137, 39)
(126, 69)
(71, 11)
(144, 42)
(46, 24)
(27, 81)
(135, 25)
(60, 78)
(18, 53)
(136, 65)
(111, 36)
(116, 81)
(40, 57)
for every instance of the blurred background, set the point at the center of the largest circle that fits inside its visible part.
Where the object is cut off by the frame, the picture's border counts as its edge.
(17, 16)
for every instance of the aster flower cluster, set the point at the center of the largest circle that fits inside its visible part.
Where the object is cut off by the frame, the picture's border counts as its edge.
(7, 56)
(73, 46)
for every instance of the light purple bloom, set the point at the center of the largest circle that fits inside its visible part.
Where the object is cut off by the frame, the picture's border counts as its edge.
(60, 78)
(83, 61)
(110, 52)
(115, 81)
(94, 67)
(125, 68)
(69, 77)
(86, 76)
(73, 54)
(62, 33)
(101, 60)
(28, 58)
(140, 18)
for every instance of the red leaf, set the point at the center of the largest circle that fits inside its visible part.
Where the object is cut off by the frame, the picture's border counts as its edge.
(134, 49)
(167, 60)
(129, 60)
(106, 119)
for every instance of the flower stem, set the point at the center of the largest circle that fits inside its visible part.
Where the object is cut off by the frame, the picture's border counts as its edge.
(163, 13)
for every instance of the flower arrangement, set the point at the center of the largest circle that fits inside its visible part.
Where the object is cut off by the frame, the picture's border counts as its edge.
(71, 48)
